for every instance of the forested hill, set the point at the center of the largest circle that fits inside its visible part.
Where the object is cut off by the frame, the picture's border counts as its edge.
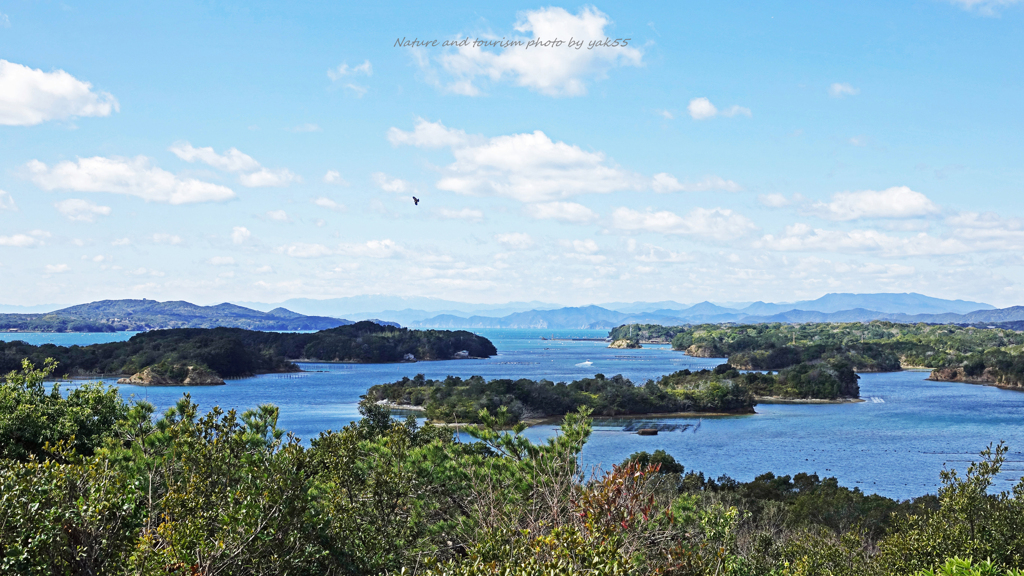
(985, 356)
(233, 352)
(141, 315)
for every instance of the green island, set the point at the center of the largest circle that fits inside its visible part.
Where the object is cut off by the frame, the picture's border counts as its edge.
(722, 390)
(993, 356)
(91, 484)
(207, 355)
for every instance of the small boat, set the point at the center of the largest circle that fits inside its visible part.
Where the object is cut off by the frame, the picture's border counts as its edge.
(585, 364)
(647, 432)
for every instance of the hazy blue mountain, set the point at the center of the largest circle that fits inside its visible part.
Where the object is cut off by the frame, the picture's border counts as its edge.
(12, 309)
(377, 304)
(138, 315)
(597, 317)
(641, 307)
(894, 303)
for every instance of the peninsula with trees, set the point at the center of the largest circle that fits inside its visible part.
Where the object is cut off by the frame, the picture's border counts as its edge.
(184, 356)
(993, 356)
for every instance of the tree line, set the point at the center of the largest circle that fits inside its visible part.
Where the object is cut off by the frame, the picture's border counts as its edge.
(93, 485)
(235, 352)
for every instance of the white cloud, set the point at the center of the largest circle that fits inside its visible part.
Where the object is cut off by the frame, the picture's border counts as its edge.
(532, 168)
(6, 201)
(221, 261)
(736, 111)
(702, 109)
(266, 177)
(430, 135)
(564, 211)
(278, 215)
(665, 114)
(81, 210)
(587, 246)
(801, 237)
(858, 141)
(985, 7)
(359, 91)
(121, 242)
(251, 173)
(386, 248)
(304, 250)
(29, 97)
(719, 224)
(232, 160)
(988, 231)
(325, 202)
(164, 238)
(5, 21)
(895, 202)
(527, 167)
(56, 268)
(23, 240)
(334, 177)
(307, 127)
(515, 240)
(131, 176)
(465, 214)
(652, 253)
(840, 89)
(553, 71)
(344, 70)
(665, 182)
(777, 200)
(387, 184)
(240, 234)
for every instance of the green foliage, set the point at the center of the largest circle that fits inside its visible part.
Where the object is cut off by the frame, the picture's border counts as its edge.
(874, 346)
(959, 567)
(456, 400)
(970, 521)
(95, 486)
(234, 352)
(67, 515)
(31, 417)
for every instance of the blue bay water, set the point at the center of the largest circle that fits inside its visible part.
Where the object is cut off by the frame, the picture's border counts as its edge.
(893, 444)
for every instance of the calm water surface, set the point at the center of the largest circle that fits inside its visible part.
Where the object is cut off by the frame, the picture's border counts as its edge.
(893, 444)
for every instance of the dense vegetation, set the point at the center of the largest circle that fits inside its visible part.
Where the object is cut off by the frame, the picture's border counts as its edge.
(722, 390)
(90, 485)
(233, 352)
(991, 355)
(140, 315)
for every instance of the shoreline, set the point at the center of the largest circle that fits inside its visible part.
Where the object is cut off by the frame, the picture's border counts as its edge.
(540, 420)
(980, 383)
(780, 400)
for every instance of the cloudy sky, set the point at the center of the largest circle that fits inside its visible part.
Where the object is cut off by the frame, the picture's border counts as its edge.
(259, 151)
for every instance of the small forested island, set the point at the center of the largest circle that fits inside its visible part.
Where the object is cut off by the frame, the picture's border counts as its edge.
(169, 357)
(723, 390)
(992, 356)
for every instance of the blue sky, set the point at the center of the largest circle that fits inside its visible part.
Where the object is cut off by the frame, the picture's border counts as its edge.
(747, 151)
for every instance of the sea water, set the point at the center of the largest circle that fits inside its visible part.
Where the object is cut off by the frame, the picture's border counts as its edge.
(894, 443)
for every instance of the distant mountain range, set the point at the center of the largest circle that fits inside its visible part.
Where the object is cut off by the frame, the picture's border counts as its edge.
(596, 317)
(139, 315)
(433, 312)
(308, 314)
